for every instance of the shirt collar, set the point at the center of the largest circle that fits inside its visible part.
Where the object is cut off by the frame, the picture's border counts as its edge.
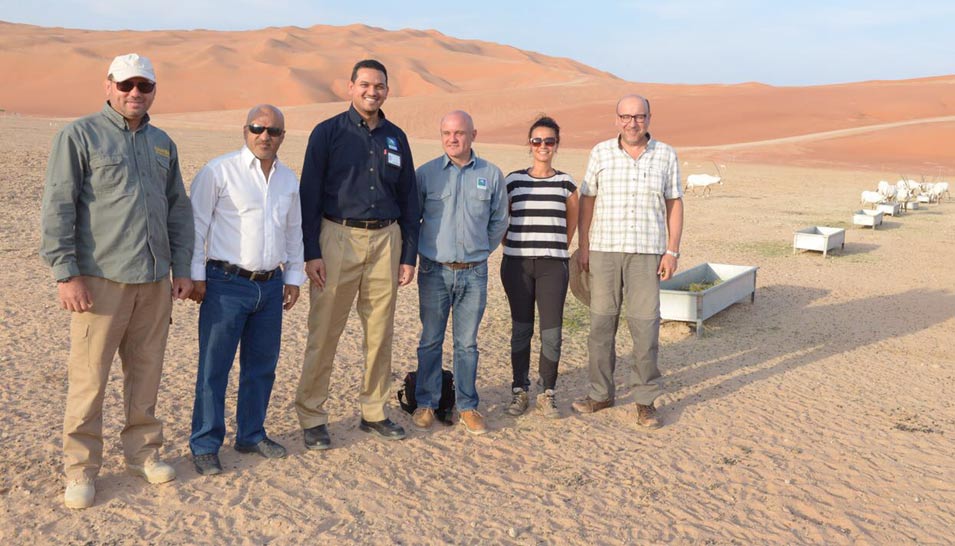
(249, 160)
(651, 142)
(118, 120)
(470, 163)
(355, 118)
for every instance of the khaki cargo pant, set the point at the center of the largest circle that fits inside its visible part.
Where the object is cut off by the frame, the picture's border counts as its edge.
(133, 319)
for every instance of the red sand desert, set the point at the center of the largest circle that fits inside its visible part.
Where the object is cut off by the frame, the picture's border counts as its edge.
(819, 414)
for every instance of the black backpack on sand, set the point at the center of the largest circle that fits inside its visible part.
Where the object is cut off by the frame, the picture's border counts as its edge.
(408, 403)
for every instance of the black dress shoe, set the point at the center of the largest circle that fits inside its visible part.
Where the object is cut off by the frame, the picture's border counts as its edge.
(387, 429)
(317, 437)
(266, 448)
(207, 464)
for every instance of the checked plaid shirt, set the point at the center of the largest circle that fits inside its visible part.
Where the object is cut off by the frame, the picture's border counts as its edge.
(630, 210)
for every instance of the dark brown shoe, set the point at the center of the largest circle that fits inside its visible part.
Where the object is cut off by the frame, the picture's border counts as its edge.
(647, 416)
(589, 405)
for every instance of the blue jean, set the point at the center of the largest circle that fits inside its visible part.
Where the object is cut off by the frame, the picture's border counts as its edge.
(441, 289)
(235, 310)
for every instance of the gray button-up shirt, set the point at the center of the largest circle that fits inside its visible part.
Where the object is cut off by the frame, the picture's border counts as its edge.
(114, 205)
(463, 210)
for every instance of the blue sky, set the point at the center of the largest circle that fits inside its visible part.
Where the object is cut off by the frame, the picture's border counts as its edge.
(664, 41)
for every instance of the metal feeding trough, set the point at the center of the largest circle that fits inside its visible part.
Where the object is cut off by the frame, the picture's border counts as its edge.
(912, 205)
(702, 291)
(871, 218)
(889, 209)
(922, 198)
(819, 238)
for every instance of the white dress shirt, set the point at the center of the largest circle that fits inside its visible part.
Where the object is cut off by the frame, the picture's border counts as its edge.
(245, 220)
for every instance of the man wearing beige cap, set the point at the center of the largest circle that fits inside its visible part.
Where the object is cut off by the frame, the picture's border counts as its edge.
(115, 220)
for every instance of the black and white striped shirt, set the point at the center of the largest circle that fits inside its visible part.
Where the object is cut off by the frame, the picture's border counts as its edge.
(538, 220)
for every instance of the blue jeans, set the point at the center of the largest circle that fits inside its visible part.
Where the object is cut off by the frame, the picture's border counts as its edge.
(440, 290)
(235, 310)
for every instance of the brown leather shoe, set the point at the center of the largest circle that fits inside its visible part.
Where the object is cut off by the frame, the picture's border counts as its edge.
(647, 416)
(473, 422)
(589, 405)
(423, 418)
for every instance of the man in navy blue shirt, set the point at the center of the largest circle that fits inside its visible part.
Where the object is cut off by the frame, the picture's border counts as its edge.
(360, 219)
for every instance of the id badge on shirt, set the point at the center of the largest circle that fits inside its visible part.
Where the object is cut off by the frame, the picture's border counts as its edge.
(393, 159)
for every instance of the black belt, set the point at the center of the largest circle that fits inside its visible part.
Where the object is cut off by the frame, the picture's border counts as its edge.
(244, 273)
(460, 265)
(363, 224)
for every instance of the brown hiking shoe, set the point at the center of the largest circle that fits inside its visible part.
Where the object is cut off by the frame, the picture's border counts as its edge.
(473, 422)
(589, 405)
(423, 418)
(518, 403)
(547, 404)
(647, 416)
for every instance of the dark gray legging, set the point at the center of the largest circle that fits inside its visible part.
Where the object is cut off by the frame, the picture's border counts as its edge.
(542, 281)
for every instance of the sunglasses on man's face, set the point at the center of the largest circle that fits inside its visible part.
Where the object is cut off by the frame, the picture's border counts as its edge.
(259, 129)
(144, 87)
(550, 142)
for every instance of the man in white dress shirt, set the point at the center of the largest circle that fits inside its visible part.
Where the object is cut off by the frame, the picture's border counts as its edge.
(247, 266)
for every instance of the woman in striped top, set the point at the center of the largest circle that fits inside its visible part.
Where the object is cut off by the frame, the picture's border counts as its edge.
(543, 216)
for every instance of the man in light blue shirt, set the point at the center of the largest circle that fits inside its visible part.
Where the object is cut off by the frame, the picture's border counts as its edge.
(464, 215)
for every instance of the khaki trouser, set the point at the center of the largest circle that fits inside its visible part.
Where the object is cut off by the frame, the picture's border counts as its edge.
(133, 318)
(629, 279)
(363, 262)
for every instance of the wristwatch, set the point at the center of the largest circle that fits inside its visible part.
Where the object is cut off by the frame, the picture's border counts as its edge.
(675, 254)
(66, 280)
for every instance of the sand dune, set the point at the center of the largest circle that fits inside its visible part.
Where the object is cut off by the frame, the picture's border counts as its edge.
(205, 75)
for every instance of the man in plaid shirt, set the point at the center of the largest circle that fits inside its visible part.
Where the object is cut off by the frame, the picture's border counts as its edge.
(630, 224)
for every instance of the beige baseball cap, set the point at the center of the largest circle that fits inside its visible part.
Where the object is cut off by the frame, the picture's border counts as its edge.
(129, 66)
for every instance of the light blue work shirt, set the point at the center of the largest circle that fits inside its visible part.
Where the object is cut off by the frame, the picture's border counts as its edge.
(463, 209)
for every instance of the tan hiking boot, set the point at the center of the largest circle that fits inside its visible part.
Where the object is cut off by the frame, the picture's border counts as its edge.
(547, 404)
(647, 416)
(518, 403)
(423, 418)
(153, 471)
(79, 494)
(473, 422)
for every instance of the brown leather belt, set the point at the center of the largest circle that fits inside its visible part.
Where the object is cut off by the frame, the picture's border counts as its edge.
(363, 224)
(244, 273)
(460, 265)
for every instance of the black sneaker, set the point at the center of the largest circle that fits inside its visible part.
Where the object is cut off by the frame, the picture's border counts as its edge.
(207, 464)
(387, 429)
(266, 448)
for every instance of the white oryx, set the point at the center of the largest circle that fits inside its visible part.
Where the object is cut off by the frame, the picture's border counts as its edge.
(705, 181)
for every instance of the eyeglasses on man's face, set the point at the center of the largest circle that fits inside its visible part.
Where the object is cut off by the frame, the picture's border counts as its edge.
(627, 118)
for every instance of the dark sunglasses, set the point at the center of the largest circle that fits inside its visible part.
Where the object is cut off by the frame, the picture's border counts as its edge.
(144, 87)
(549, 142)
(259, 129)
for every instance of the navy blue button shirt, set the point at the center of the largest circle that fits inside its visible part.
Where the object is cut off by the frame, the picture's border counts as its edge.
(357, 174)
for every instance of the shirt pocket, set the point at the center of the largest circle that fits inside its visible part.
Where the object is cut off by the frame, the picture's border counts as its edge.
(163, 167)
(280, 211)
(479, 204)
(108, 173)
(435, 200)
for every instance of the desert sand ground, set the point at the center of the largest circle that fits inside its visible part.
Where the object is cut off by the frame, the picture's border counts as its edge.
(819, 414)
